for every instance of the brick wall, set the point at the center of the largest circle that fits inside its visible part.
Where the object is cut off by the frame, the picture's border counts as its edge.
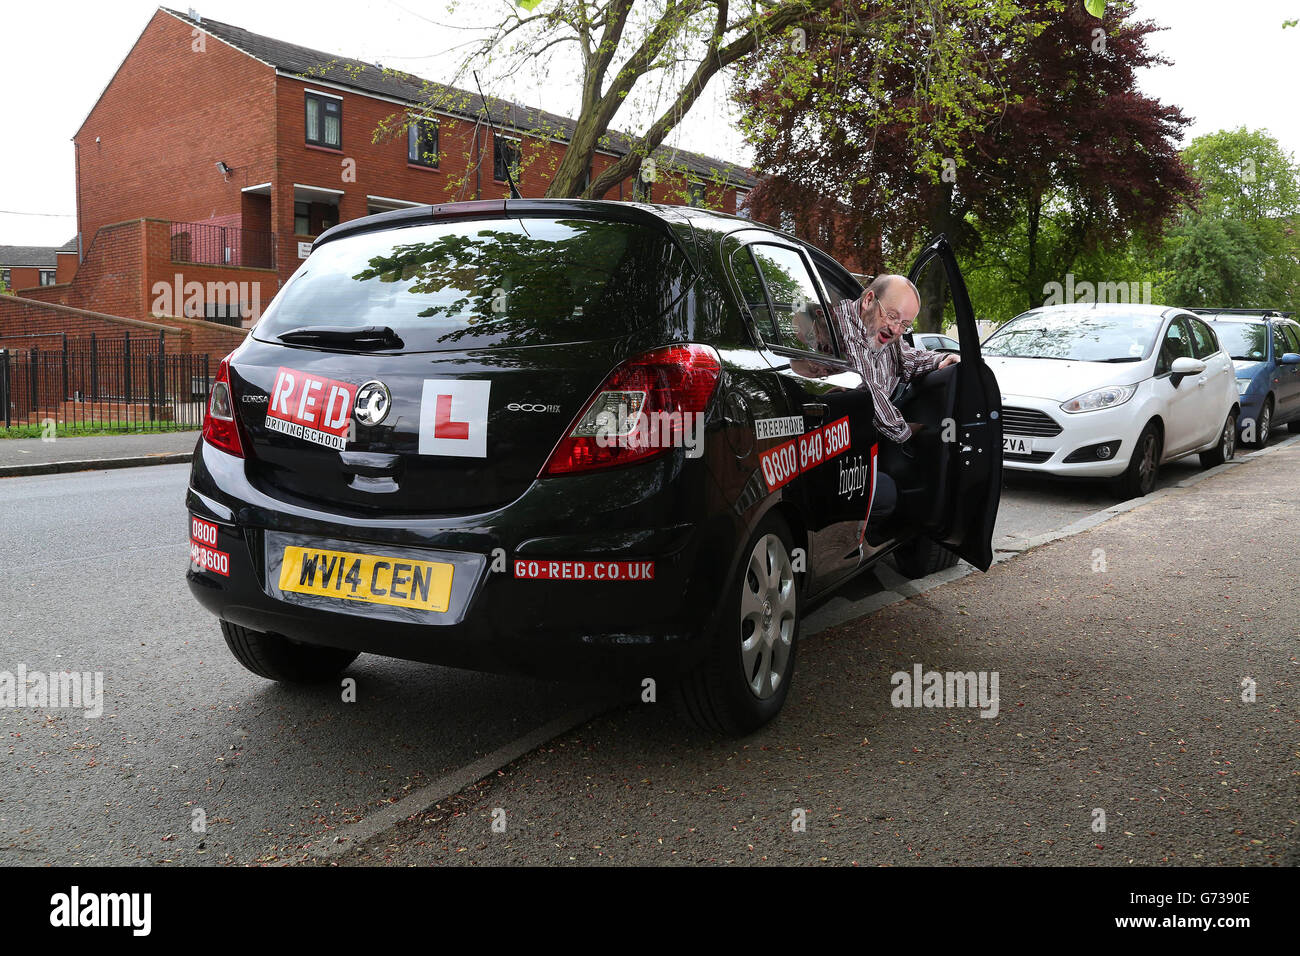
(21, 317)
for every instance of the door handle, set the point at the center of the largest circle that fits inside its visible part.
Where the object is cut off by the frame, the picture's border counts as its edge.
(814, 410)
(1200, 382)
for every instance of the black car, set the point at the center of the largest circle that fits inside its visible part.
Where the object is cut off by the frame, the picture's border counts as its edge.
(569, 438)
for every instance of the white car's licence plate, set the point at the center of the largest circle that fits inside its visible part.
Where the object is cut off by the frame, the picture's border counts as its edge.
(1015, 446)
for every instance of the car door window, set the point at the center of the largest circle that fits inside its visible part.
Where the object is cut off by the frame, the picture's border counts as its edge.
(798, 313)
(1293, 338)
(1176, 345)
(1204, 338)
(751, 292)
(1285, 340)
(838, 289)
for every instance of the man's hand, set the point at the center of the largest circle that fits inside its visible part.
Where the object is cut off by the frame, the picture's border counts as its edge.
(949, 359)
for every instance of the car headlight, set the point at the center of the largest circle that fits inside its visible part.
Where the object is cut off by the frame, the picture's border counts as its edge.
(1243, 386)
(1107, 397)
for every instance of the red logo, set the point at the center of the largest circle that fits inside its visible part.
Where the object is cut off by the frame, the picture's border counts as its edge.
(311, 407)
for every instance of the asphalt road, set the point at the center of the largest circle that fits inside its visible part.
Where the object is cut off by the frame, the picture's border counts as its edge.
(92, 579)
(92, 570)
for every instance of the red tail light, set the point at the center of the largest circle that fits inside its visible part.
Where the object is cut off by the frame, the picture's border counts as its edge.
(640, 411)
(220, 430)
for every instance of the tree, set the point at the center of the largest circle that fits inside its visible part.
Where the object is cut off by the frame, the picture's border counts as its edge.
(667, 51)
(1075, 161)
(1239, 248)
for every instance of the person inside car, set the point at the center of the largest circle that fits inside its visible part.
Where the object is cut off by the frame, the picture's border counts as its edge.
(873, 326)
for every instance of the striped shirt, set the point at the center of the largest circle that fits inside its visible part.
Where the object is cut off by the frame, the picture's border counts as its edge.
(882, 368)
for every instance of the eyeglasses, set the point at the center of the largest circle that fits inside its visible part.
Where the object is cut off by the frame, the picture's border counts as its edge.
(894, 319)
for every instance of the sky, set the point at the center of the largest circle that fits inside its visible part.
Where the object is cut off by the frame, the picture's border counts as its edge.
(1231, 65)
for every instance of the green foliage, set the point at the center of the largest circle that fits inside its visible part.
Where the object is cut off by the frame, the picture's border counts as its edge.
(1244, 174)
(1240, 248)
(1215, 262)
(1096, 7)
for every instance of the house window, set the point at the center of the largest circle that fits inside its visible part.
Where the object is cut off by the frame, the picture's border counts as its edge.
(696, 191)
(4, 276)
(302, 218)
(224, 313)
(47, 277)
(422, 143)
(324, 121)
(505, 156)
(742, 203)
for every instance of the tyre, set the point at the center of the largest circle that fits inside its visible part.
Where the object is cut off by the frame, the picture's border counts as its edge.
(1227, 446)
(280, 659)
(1139, 478)
(1294, 426)
(744, 678)
(920, 557)
(1264, 425)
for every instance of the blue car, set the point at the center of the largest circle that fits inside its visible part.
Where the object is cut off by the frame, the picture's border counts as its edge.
(1265, 350)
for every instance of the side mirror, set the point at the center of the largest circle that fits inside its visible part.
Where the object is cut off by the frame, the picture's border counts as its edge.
(1183, 367)
(1290, 358)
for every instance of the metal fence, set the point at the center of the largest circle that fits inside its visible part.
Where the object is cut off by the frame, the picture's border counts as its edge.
(90, 383)
(204, 243)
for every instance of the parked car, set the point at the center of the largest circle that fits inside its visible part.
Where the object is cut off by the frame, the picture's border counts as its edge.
(935, 341)
(1112, 391)
(1265, 350)
(433, 446)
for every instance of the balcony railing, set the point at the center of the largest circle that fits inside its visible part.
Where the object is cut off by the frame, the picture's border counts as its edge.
(204, 243)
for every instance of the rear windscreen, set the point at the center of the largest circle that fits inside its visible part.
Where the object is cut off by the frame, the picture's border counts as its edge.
(502, 282)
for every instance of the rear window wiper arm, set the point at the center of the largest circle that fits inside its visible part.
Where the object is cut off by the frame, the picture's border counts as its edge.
(366, 336)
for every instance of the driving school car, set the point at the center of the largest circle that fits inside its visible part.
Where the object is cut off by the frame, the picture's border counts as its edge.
(567, 438)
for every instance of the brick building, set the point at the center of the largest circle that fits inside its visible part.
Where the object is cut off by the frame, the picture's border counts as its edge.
(251, 146)
(26, 267)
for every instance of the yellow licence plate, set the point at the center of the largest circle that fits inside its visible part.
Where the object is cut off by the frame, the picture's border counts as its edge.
(375, 579)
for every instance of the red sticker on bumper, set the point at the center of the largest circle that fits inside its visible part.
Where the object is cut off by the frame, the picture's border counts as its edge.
(203, 548)
(585, 570)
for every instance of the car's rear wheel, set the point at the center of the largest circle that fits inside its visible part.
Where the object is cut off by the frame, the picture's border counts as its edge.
(920, 557)
(280, 659)
(1294, 426)
(1139, 478)
(1263, 425)
(745, 676)
(1227, 446)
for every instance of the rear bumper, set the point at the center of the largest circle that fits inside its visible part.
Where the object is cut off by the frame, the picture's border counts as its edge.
(501, 620)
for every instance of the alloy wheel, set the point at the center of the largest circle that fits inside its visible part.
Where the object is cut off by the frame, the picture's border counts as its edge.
(1148, 465)
(767, 616)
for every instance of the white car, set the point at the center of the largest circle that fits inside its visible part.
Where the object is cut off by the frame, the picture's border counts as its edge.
(1112, 391)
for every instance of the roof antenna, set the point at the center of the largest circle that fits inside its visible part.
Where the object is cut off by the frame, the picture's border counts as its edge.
(514, 190)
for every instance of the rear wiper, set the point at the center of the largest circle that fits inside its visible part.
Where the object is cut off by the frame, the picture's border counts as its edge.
(364, 337)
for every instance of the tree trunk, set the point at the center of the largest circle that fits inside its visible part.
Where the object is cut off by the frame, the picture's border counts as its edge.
(934, 283)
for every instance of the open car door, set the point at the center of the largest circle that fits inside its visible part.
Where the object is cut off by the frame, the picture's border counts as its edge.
(967, 404)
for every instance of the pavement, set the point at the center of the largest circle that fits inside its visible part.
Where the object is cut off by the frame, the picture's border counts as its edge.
(1148, 673)
(38, 456)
